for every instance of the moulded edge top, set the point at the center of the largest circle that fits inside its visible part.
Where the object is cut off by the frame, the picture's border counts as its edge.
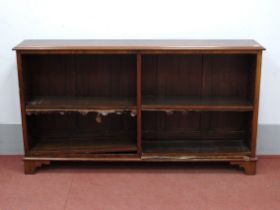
(139, 44)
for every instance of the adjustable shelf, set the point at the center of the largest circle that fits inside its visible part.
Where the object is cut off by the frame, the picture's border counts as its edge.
(81, 146)
(190, 103)
(139, 100)
(80, 104)
(205, 146)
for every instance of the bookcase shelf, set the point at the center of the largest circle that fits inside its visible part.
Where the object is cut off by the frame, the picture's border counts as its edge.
(139, 100)
(205, 146)
(71, 146)
(189, 103)
(80, 104)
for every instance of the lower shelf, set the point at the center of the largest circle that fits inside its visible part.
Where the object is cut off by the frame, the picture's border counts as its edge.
(195, 146)
(97, 146)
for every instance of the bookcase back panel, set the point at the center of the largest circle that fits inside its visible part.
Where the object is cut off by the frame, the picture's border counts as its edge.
(112, 133)
(106, 75)
(210, 130)
(229, 75)
(228, 123)
(49, 75)
(165, 75)
(80, 75)
(221, 75)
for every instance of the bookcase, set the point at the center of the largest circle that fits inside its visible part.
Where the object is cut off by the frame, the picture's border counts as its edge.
(139, 100)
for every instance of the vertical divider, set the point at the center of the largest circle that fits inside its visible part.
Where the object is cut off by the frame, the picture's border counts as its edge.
(139, 104)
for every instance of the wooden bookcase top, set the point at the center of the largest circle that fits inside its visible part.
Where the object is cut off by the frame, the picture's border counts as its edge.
(131, 44)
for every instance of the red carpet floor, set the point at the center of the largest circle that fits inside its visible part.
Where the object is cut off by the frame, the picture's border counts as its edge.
(94, 186)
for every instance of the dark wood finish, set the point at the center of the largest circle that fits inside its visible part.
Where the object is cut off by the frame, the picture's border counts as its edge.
(54, 146)
(139, 104)
(30, 166)
(152, 103)
(138, 45)
(79, 104)
(58, 134)
(256, 93)
(224, 75)
(195, 146)
(249, 167)
(79, 75)
(139, 100)
(225, 132)
(26, 141)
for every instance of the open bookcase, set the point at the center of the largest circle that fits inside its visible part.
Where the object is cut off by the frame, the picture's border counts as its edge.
(139, 100)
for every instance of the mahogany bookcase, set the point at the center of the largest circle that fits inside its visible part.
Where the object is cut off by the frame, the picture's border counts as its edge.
(139, 100)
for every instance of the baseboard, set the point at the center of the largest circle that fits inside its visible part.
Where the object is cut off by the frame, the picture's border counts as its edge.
(11, 139)
(268, 142)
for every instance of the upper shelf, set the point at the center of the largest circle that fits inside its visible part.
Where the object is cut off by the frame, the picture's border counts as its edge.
(95, 104)
(80, 104)
(195, 104)
(139, 45)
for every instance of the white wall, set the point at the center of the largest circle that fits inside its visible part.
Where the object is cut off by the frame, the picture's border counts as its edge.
(143, 19)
